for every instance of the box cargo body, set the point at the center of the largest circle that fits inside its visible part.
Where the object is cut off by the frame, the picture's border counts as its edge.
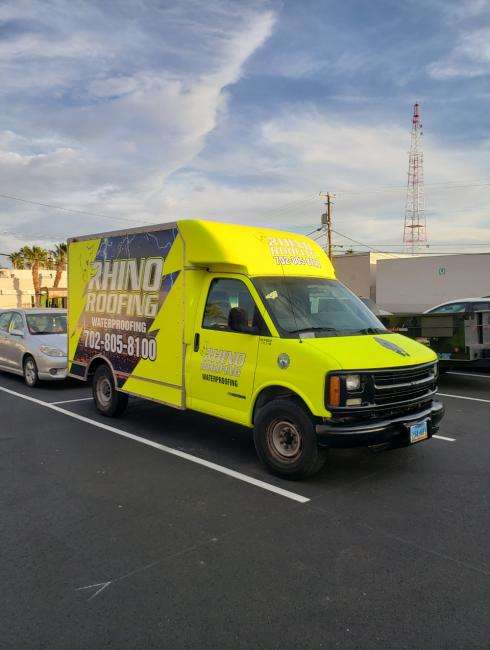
(412, 285)
(249, 325)
(126, 306)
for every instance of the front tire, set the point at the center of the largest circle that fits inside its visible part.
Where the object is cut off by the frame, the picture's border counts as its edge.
(285, 440)
(108, 400)
(31, 376)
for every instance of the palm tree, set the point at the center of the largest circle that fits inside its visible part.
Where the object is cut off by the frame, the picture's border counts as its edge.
(17, 260)
(59, 256)
(36, 257)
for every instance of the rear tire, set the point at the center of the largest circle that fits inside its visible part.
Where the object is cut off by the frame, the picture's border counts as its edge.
(286, 442)
(31, 376)
(108, 400)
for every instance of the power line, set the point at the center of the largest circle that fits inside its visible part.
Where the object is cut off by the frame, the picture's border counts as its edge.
(290, 205)
(313, 231)
(58, 207)
(360, 243)
(398, 255)
(391, 188)
(438, 245)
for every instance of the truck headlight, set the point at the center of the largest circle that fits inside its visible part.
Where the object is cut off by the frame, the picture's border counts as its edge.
(344, 390)
(52, 352)
(352, 382)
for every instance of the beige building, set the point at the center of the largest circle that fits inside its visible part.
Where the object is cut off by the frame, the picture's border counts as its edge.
(17, 290)
(358, 272)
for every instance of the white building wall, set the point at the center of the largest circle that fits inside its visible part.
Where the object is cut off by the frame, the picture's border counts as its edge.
(415, 284)
(17, 289)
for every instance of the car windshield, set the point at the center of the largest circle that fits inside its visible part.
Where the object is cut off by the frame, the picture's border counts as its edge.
(315, 307)
(451, 308)
(46, 323)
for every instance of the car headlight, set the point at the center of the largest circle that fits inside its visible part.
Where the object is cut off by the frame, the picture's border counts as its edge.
(352, 382)
(52, 352)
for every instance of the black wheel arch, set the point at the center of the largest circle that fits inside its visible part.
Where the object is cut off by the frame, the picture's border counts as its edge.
(271, 393)
(25, 356)
(95, 363)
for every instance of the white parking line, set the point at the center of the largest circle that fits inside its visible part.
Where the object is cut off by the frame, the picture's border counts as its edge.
(69, 401)
(467, 374)
(444, 438)
(174, 452)
(473, 399)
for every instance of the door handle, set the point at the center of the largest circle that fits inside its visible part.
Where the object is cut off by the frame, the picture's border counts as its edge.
(196, 342)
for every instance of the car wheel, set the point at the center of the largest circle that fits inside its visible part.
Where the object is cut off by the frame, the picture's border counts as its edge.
(31, 376)
(285, 440)
(108, 400)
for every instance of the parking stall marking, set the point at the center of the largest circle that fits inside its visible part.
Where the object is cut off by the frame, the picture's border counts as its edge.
(69, 401)
(169, 450)
(473, 399)
(444, 438)
(467, 374)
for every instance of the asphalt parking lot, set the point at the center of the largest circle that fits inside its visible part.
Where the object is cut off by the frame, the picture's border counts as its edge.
(166, 532)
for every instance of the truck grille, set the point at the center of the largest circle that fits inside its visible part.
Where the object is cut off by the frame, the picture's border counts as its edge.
(403, 384)
(391, 392)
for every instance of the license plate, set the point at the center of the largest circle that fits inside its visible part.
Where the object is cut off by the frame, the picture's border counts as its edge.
(418, 431)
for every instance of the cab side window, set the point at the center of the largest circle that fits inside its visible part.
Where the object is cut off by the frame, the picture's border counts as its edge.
(4, 321)
(231, 308)
(16, 323)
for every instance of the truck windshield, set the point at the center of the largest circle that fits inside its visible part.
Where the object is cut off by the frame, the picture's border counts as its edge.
(315, 307)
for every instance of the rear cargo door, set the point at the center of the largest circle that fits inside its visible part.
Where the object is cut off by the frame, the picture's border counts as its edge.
(223, 358)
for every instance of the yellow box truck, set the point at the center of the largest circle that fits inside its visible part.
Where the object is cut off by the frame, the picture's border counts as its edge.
(249, 325)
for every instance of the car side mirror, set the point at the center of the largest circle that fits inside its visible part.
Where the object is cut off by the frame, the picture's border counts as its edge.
(18, 333)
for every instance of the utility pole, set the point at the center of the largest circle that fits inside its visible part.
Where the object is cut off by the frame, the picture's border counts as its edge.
(327, 222)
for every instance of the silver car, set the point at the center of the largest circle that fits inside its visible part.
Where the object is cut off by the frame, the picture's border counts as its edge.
(33, 343)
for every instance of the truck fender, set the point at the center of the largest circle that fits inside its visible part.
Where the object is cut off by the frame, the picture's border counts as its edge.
(269, 391)
(97, 361)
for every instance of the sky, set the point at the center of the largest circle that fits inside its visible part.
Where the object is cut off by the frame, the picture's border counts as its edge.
(132, 113)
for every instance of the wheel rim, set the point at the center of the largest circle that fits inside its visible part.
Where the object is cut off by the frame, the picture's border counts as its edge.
(30, 371)
(104, 391)
(284, 440)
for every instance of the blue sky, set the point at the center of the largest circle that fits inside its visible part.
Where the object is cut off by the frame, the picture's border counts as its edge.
(150, 111)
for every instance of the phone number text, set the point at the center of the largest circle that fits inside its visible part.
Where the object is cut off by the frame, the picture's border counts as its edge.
(133, 346)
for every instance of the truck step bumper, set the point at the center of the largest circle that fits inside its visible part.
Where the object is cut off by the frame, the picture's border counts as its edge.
(395, 431)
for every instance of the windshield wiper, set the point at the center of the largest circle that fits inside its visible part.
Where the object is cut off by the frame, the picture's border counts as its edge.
(371, 330)
(313, 329)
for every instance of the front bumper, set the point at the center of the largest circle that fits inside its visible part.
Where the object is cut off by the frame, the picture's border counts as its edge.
(51, 368)
(376, 432)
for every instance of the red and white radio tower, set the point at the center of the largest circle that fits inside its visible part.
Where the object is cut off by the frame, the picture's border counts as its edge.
(414, 231)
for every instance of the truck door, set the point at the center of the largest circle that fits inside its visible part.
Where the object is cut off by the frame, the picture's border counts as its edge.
(221, 365)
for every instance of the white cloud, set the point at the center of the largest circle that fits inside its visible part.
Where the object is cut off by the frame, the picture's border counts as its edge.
(103, 108)
(301, 152)
(464, 9)
(143, 132)
(469, 58)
